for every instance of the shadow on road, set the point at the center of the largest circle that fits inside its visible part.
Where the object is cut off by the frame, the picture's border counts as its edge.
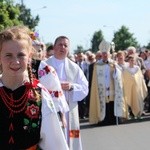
(84, 123)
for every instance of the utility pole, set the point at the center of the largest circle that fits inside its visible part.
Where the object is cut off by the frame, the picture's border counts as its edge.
(22, 2)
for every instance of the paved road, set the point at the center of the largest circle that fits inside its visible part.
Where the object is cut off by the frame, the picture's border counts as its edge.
(130, 136)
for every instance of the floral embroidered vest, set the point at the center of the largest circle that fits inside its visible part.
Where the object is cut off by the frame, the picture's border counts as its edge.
(20, 127)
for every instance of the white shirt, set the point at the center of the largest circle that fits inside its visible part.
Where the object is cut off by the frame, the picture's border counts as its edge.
(80, 84)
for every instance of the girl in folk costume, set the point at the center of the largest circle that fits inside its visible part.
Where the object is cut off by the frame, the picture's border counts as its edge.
(28, 119)
(135, 89)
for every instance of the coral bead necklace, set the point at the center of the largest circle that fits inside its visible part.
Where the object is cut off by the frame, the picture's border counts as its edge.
(15, 105)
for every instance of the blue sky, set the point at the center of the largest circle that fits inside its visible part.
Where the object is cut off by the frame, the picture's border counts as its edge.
(79, 19)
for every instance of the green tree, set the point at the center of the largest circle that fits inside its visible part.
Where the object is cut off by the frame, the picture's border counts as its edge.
(8, 14)
(79, 49)
(97, 38)
(26, 17)
(16, 14)
(123, 39)
(148, 46)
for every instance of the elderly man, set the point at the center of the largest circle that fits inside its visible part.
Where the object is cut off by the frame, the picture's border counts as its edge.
(107, 101)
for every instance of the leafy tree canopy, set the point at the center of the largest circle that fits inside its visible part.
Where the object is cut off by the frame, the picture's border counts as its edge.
(123, 39)
(97, 38)
(8, 14)
(79, 49)
(16, 14)
(26, 17)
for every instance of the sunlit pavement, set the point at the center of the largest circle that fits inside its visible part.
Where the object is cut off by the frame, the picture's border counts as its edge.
(133, 134)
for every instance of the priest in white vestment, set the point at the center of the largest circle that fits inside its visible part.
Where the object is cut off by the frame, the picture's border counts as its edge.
(107, 101)
(74, 85)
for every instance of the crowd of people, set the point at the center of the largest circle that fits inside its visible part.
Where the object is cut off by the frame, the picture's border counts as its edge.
(118, 84)
(46, 90)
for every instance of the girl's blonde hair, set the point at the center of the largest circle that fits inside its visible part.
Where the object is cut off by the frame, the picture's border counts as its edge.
(16, 33)
(19, 33)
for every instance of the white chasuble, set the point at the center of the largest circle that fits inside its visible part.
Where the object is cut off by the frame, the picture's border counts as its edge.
(100, 95)
(73, 74)
(135, 90)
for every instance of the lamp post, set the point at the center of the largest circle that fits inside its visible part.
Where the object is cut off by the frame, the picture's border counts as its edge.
(40, 8)
(108, 26)
(112, 43)
(22, 3)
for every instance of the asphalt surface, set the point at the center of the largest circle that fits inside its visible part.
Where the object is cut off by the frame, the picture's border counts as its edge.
(131, 135)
